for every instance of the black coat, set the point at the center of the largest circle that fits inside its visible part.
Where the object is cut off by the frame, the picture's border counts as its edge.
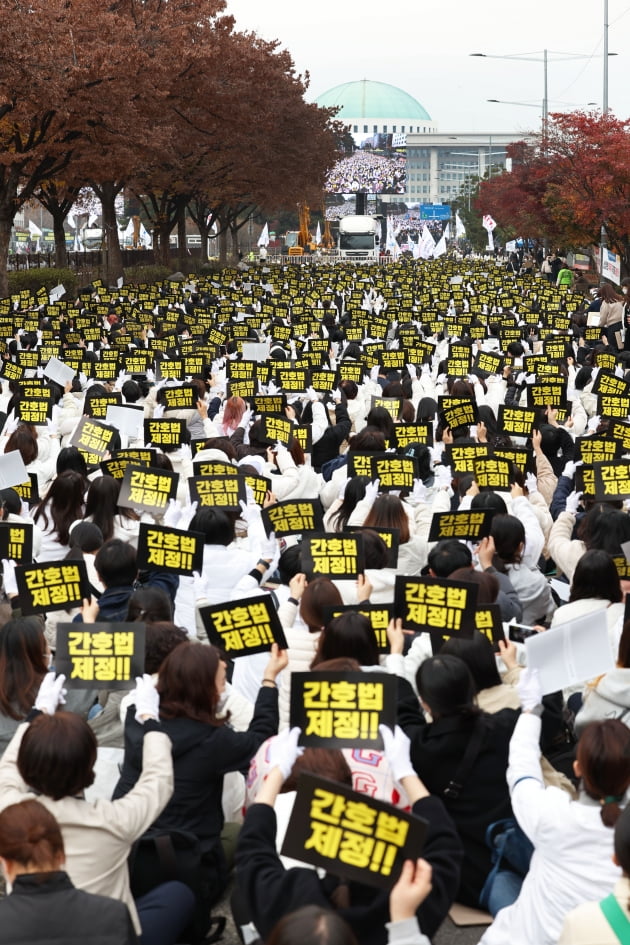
(202, 754)
(270, 891)
(46, 908)
(437, 751)
(327, 447)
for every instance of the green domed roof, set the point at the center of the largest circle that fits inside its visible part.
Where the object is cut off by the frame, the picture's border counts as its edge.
(366, 99)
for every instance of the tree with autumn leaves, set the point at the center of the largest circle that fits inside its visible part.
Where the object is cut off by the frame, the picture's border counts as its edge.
(568, 184)
(163, 97)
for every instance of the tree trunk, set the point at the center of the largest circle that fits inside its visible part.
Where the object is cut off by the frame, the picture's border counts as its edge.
(204, 235)
(6, 222)
(182, 243)
(223, 247)
(61, 253)
(234, 235)
(113, 265)
(164, 230)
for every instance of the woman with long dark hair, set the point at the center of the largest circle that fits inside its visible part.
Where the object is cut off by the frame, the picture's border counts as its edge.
(191, 684)
(61, 506)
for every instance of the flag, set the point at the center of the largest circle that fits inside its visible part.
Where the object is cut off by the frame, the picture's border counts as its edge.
(488, 223)
(71, 221)
(33, 229)
(427, 243)
(318, 234)
(145, 237)
(440, 248)
(78, 246)
(391, 244)
(129, 229)
(415, 250)
(447, 232)
(263, 239)
(460, 229)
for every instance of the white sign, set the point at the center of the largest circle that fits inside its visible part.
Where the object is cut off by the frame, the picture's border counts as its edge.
(56, 293)
(610, 266)
(59, 372)
(488, 223)
(128, 420)
(571, 653)
(12, 470)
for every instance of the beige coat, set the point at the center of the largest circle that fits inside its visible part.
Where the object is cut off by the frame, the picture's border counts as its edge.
(587, 924)
(98, 836)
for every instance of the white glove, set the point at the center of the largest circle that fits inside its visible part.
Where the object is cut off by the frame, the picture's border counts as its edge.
(158, 411)
(8, 576)
(371, 491)
(187, 515)
(200, 588)
(284, 750)
(336, 396)
(426, 369)
(573, 502)
(39, 372)
(280, 446)
(520, 378)
(374, 373)
(51, 693)
(247, 416)
(270, 549)
(443, 477)
(593, 423)
(147, 698)
(441, 379)
(83, 379)
(185, 451)
(411, 370)
(51, 428)
(529, 691)
(172, 514)
(619, 371)
(419, 491)
(396, 749)
(569, 469)
(394, 345)
(248, 512)
(150, 375)
(312, 394)
(532, 483)
(272, 389)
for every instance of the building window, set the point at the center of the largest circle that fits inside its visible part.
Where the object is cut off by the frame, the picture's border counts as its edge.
(355, 128)
(375, 128)
(384, 129)
(394, 128)
(402, 129)
(365, 127)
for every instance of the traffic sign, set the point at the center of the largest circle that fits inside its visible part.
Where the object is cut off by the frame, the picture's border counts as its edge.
(435, 211)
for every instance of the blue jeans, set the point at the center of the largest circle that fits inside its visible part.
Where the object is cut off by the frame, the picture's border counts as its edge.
(165, 912)
(504, 891)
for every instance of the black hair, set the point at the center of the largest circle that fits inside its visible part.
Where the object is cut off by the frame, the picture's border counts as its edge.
(479, 657)
(449, 555)
(596, 576)
(446, 684)
(115, 563)
(216, 526)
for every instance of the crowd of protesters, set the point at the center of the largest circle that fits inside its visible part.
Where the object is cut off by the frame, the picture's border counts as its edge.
(523, 790)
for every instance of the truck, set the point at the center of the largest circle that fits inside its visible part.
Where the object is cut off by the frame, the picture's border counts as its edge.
(359, 238)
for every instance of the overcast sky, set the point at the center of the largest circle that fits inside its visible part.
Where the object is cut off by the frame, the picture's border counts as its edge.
(423, 47)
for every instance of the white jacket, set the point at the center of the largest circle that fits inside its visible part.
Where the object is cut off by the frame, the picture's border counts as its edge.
(572, 860)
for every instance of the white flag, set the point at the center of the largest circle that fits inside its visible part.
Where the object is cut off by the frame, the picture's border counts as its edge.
(318, 234)
(440, 248)
(488, 223)
(33, 229)
(447, 231)
(460, 229)
(391, 244)
(263, 239)
(427, 243)
(145, 237)
(129, 228)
